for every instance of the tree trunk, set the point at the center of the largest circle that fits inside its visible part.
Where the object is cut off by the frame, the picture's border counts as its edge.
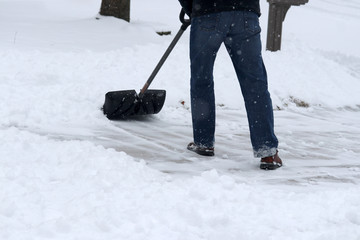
(116, 8)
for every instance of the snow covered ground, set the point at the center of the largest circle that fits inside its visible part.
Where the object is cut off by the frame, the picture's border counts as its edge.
(66, 172)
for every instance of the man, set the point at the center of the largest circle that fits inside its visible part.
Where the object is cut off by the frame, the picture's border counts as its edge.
(236, 24)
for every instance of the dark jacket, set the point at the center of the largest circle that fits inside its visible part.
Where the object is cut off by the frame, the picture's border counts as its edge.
(201, 7)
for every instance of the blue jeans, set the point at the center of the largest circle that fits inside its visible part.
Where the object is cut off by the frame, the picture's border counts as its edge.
(240, 32)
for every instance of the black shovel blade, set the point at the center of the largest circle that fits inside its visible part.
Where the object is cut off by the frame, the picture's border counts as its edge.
(123, 104)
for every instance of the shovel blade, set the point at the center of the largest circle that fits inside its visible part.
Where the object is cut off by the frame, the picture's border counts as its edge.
(123, 104)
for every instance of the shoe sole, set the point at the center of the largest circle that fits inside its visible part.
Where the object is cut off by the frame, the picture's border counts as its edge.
(208, 154)
(269, 166)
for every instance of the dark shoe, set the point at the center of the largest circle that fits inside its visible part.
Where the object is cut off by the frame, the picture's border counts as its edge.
(271, 163)
(201, 150)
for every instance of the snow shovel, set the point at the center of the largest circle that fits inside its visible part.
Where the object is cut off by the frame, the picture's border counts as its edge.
(125, 103)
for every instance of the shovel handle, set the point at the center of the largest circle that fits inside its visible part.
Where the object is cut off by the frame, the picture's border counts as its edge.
(185, 24)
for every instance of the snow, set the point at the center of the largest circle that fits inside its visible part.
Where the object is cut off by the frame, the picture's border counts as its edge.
(67, 172)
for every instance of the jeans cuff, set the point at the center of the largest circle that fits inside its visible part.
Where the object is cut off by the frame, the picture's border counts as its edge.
(265, 152)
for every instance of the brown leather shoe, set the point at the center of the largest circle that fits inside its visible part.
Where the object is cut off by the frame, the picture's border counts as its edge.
(271, 163)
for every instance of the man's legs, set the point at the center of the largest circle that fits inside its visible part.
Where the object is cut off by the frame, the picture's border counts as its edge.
(244, 46)
(205, 41)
